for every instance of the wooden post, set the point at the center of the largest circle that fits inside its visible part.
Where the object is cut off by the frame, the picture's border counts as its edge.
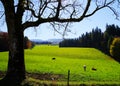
(68, 78)
(84, 67)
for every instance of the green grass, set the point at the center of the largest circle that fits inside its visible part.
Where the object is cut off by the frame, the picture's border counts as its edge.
(39, 60)
(34, 82)
(3, 61)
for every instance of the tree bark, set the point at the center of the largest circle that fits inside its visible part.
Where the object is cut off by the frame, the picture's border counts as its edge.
(16, 65)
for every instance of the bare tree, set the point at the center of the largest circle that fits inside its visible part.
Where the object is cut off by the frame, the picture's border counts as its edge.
(22, 14)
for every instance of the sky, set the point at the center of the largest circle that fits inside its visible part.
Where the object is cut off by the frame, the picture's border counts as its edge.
(100, 19)
(45, 31)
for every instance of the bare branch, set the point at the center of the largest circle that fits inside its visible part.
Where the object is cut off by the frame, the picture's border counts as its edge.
(99, 7)
(55, 11)
(113, 10)
(2, 15)
(65, 29)
(44, 7)
(32, 11)
(86, 8)
(58, 9)
(53, 25)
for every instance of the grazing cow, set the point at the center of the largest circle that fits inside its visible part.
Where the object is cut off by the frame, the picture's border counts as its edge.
(53, 58)
(94, 69)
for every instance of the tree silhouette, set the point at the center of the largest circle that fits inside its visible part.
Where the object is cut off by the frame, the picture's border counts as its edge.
(22, 14)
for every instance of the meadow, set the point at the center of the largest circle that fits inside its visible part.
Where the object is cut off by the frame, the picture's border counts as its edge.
(40, 60)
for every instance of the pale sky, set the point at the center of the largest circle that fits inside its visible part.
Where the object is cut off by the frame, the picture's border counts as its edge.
(45, 32)
(100, 19)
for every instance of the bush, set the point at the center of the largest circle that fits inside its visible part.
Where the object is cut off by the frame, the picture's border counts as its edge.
(115, 48)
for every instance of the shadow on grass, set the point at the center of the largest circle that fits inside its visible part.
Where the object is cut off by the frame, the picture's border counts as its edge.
(10, 82)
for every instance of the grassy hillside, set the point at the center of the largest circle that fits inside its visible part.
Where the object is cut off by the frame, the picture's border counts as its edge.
(39, 60)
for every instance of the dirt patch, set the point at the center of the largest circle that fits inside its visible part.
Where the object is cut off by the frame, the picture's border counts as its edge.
(2, 74)
(45, 76)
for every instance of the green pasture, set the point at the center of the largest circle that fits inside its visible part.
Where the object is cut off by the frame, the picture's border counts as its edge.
(39, 60)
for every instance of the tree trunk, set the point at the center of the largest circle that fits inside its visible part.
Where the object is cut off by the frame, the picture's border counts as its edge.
(16, 66)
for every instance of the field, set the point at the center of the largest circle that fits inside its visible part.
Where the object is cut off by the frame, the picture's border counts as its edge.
(40, 60)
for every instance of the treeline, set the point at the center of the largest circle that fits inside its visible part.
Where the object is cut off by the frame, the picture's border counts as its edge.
(4, 45)
(91, 39)
(94, 39)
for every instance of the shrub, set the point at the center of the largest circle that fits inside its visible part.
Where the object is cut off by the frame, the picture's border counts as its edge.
(115, 48)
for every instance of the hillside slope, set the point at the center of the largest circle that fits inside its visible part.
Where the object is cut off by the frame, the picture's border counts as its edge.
(40, 60)
(52, 62)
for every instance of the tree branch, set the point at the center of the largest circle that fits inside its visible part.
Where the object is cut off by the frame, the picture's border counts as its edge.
(105, 5)
(32, 11)
(86, 8)
(58, 9)
(113, 10)
(2, 15)
(55, 16)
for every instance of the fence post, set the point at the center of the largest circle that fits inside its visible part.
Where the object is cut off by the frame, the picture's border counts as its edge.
(68, 78)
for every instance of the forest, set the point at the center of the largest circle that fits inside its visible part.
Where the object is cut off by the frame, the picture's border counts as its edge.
(4, 44)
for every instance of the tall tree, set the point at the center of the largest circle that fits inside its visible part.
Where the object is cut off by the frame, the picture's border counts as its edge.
(56, 12)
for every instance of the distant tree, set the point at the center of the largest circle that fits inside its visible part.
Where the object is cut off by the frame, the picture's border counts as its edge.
(115, 49)
(96, 37)
(89, 39)
(22, 14)
(27, 43)
(110, 41)
(110, 32)
(4, 45)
